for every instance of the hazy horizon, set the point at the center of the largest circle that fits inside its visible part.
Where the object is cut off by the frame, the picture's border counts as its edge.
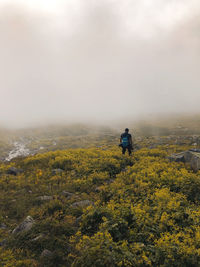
(95, 61)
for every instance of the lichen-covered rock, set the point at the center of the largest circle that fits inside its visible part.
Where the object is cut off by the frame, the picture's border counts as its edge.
(26, 225)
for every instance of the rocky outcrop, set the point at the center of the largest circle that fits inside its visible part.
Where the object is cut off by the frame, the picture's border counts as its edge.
(192, 157)
(26, 225)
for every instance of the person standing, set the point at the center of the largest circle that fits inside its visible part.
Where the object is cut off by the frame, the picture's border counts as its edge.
(126, 142)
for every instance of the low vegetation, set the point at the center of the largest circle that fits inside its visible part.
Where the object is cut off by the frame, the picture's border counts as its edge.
(95, 207)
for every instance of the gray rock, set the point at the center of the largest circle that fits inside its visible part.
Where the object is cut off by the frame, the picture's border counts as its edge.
(188, 156)
(177, 157)
(82, 204)
(14, 171)
(45, 198)
(195, 163)
(46, 253)
(3, 226)
(26, 225)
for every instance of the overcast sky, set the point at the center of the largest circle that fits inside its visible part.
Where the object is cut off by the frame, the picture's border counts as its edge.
(97, 60)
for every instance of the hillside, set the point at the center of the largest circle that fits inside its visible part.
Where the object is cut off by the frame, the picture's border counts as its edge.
(93, 207)
(147, 133)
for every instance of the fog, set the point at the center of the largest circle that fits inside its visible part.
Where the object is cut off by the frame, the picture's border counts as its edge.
(97, 60)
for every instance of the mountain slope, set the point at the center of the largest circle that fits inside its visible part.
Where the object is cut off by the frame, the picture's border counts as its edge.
(94, 207)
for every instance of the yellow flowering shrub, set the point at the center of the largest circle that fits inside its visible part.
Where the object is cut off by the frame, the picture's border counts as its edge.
(96, 207)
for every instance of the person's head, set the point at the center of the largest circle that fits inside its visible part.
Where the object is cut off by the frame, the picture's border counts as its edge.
(126, 130)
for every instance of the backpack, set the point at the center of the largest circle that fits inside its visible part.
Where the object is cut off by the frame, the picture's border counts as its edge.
(125, 141)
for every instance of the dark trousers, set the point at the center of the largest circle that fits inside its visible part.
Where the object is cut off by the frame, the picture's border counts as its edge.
(127, 148)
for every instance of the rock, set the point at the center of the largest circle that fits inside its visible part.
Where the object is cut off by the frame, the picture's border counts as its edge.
(195, 163)
(57, 171)
(45, 198)
(82, 204)
(3, 226)
(192, 157)
(195, 150)
(177, 157)
(14, 171)
(26, 225)
(67, 194)
(46, 253)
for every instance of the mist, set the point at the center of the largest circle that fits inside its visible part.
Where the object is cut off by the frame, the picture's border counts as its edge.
(97, 60)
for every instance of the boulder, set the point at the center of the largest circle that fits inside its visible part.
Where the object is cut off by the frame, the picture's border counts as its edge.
(14, 171)
(82, 204)
(26, 225)
(195, 163)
